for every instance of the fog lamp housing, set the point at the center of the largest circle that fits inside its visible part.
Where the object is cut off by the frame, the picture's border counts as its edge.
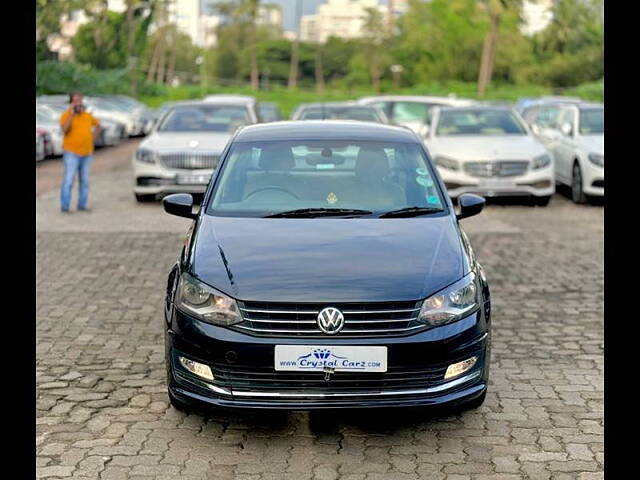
(199, 369)
(459, 368)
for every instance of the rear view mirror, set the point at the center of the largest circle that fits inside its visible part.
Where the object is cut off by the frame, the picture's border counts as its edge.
(179, 204)
(470, 205)
(566, 129)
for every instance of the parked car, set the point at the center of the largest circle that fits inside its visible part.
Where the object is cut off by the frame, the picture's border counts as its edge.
(40, 153)
(183, 149)
(47, 142)
(47, 120)
(326, 269)
(339, 111)
(411, 111)
(576, 139)
(489, 151)
(111, 132)
(101, 109)
(527, 102)
(250, 103)
(137, 108)
(269, 112)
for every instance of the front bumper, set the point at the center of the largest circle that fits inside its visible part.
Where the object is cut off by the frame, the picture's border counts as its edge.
(593, 179)
(249, 381)
(538, 183)
(155, 179)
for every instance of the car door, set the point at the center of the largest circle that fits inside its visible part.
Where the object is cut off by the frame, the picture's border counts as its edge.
(563, 146)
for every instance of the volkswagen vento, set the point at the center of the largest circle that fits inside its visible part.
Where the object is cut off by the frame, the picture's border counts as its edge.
(326, 268)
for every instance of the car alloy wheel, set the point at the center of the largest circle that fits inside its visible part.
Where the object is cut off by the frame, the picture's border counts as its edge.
(577, 195)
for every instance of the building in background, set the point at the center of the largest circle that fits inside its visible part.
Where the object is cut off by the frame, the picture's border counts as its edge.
(536, 16)
(339, 18)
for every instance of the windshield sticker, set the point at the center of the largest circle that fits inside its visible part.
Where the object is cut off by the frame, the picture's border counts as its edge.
(325, 166)
(424, 181)
(422, 171)
(332, 198)
(433, 200)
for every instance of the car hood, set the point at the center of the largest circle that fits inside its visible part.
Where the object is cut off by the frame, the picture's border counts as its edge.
(206, 141)
(472, 147)
(593, 143)
(328, 260)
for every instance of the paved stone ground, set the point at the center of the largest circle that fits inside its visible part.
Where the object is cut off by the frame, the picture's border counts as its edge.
(102, 408)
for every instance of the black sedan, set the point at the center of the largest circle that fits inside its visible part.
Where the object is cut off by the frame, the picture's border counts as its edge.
(326, 269)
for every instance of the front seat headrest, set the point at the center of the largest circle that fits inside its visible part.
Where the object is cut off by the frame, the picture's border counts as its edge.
(372, 164)
(276, 157)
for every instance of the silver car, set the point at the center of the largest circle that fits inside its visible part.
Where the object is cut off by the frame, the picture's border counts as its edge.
(183, 148)
(339, 111)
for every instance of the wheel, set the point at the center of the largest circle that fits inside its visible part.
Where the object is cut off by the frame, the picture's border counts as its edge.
(145, 197)
(179, 404)
(577, 194)
(541, 201)
(475, 403)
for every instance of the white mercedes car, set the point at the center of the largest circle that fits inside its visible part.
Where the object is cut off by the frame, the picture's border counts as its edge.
(413, 111)
(489, 151)
(183, 148)
(575, 136)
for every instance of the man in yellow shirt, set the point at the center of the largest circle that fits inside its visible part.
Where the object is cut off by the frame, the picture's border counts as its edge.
(80, 129)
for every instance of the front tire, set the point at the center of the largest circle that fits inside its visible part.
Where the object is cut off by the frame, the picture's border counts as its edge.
(541, 201)
(577, 193)
(145, 197)
(476, 402)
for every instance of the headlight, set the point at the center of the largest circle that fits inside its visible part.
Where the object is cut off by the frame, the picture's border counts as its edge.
(206, 303)
(450, 304)
(596, 159)
(146, 156)
(448, 163)
(541, 161)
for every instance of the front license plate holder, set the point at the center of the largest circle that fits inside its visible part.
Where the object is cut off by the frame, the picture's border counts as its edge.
(339, 358)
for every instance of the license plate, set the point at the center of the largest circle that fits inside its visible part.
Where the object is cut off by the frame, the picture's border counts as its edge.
(497, 183)
(317, 358)
(192, 179)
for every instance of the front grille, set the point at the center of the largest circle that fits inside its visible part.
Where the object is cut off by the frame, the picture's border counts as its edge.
(190, 161)
(243, 377)
(299, 319)
(503, 168)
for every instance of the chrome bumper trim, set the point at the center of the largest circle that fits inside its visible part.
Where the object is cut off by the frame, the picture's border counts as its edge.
(380, 393)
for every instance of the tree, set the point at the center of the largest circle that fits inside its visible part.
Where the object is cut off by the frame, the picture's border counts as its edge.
(373, 44)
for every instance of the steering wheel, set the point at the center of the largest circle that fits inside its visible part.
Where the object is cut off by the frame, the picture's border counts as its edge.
(271, 187)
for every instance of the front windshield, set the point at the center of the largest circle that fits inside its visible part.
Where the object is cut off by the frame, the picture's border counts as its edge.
(592, 121)
(204, 118)
(332, 113)
(478, 122)
(260, 179)
(412, 112)
(45, 115)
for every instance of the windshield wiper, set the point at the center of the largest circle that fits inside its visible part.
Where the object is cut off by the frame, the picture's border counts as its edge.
(318, 212)
(410, 212)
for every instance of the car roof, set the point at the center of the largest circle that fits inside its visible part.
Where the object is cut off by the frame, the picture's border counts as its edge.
(414, 98)
(325, 130)
(229, 99)
(347, 104)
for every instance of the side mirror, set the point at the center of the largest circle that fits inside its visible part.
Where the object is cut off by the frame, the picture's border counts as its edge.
(535, 129)
(566, 129)
(424, 130)
(180, 205)
(470, 205)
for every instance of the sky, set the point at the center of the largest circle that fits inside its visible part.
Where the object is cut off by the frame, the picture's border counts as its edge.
(289, 9)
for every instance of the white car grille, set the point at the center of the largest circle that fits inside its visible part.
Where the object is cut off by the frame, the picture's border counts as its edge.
(190, 161)
(503, 168)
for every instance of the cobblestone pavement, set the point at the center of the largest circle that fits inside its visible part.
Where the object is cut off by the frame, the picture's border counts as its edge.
(102, 408)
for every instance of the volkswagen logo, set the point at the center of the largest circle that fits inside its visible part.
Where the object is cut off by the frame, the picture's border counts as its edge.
(330, 320)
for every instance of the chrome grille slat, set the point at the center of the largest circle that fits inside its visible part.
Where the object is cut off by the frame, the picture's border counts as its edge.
(299, 319)
(190, 160)
(498, 168)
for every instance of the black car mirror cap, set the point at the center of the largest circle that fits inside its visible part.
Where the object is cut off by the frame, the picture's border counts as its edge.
(470, 205)
(180, 205)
